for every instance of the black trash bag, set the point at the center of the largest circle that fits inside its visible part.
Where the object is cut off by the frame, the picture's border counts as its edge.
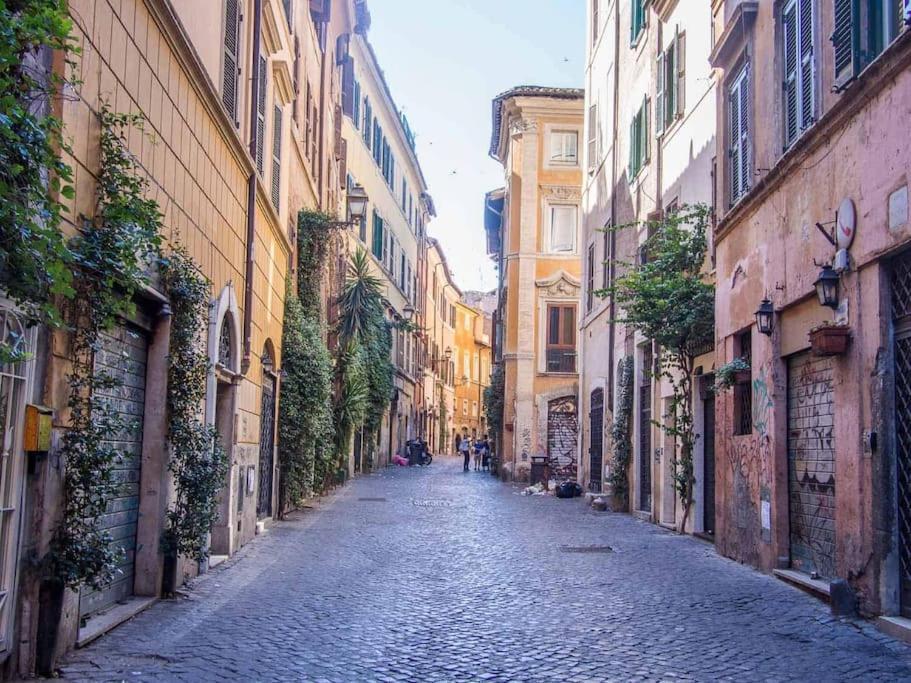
(568, 489)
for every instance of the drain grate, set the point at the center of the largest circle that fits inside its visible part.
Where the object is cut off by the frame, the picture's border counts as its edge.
(372, 500)
(438, 503)
(586, 549)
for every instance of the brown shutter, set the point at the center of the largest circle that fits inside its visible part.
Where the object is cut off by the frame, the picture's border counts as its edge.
(229, 69)
(343, 166)
(261, 116)
(338, 131)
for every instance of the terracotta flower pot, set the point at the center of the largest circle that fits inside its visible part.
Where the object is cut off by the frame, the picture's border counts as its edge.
(830, 341)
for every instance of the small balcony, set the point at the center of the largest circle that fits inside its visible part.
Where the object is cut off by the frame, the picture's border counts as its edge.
(561, 361)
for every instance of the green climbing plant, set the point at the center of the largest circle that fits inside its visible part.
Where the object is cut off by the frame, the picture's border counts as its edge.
(667, 298)
(621, 437)
(35, 258)
(113, 255)
(197, 461)
(493, 401)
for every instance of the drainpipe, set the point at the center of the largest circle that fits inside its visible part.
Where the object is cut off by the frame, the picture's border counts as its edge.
(251, 190)
(321, 186)
(611, 268)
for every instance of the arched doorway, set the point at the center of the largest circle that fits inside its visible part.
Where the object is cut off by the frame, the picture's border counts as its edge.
(562, 431)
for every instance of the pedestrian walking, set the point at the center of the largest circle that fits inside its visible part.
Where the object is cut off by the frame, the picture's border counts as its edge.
(465, 449)
(458, 443)
(478, 453)
(485, 454)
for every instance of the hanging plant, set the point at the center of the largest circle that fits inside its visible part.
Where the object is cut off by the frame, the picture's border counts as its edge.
(35, 259)
(197, 461)
(113, 253)
(729, 374)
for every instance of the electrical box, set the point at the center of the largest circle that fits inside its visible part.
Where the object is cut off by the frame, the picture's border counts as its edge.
(37, 436)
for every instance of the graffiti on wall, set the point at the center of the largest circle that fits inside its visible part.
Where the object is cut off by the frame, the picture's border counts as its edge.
(562, 432)
(811, 465)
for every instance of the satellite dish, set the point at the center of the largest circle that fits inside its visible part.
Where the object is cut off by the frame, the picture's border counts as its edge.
(845, 224)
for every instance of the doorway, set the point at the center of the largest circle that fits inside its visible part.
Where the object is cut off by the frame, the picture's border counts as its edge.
(901, 313)
(596, 438)
(708, 465)
(645, 432)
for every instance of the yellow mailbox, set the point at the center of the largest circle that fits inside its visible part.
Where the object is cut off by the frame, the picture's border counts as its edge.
(37, 437)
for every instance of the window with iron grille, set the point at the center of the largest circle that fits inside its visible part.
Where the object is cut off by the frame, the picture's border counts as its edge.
(561, 338)
(743, 388)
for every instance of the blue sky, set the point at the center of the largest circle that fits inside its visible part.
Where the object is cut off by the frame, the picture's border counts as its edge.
(445, 60)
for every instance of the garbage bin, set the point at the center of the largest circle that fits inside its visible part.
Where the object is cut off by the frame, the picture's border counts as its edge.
(538, 469)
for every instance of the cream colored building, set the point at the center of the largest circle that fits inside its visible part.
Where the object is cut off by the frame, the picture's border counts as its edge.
(649, 149)
(472, 359)
(381, 157)
(533, 227)
(237, 97)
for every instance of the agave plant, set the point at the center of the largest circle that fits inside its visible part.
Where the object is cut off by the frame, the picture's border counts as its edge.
(360, 302)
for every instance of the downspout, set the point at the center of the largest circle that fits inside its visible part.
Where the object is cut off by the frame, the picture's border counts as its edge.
(612, 266)
(323, 194)
(251, 191)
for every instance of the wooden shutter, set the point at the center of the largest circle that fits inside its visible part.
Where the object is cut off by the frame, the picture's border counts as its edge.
(790, 43)
(660, 94)
(343, 165)
(681, 73)
(276, 156)
(348, 87)
(745, 162)
(734, 132)
(807, 65)
(646, 142)
(633, 141)
(261, 116)
(845, 40)
(229, 68)
(341, 49)
(338, 131)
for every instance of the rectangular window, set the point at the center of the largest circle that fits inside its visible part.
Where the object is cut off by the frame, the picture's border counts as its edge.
(590, 278)
(474, 408)
(596, 21)
(357, 105)
(230, 58)
(466, 364)
(379, 240)
(377, 142)
(464, 406)
(563, 225)
(799, 68)
(564, 146)
(639, 140)
(561, 338)
(606, 255)
(466, 322)
(277, 157)
(638, 20)
(743, 388)
(404, 196)
(261, 117)
(863, 29)
(368, 122)
(671, 84)
(739, 134)
(594, 129)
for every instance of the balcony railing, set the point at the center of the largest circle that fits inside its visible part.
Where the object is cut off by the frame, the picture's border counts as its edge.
(561, 360)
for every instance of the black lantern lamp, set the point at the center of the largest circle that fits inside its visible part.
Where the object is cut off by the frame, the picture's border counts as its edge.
(827, 287)
(408, 312)
(765, 315)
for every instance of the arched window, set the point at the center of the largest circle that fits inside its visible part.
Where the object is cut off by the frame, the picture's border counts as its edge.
(226, 343)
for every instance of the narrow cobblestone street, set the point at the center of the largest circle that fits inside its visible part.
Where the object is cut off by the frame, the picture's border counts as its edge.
(437, 575)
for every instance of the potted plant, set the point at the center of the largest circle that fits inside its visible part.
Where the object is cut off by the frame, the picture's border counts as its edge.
(736, 372)
(830, 339)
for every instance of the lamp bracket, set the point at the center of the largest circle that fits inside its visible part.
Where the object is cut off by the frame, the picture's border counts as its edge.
(829, 235)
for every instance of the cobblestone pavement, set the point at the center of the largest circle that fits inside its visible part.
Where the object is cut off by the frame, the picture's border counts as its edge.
(436, 575)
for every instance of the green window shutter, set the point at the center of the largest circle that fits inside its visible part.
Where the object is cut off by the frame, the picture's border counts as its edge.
(632, 22)
(378, 239)
(229, 67)
(845, 40)
(633, 139)
(807, 64)
(680, 58)
(790, 45)
(646, 146)
(660, 96)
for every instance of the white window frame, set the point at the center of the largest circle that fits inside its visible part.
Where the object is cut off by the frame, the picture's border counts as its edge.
(567, 154)
(550, 209)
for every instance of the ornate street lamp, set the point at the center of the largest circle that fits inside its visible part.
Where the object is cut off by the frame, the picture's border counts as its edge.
(765, 315)
(827, 287)
(408, 312)
(447, 354)
(357, 203)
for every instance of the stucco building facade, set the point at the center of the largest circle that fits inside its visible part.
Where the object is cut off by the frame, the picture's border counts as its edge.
(650, 146)
(533, 227)
(472, 354)
(813, 452)
(235, 106)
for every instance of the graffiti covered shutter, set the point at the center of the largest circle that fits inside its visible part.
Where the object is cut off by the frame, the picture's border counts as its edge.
(811, 464)
(123, 355)
(562, 428)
